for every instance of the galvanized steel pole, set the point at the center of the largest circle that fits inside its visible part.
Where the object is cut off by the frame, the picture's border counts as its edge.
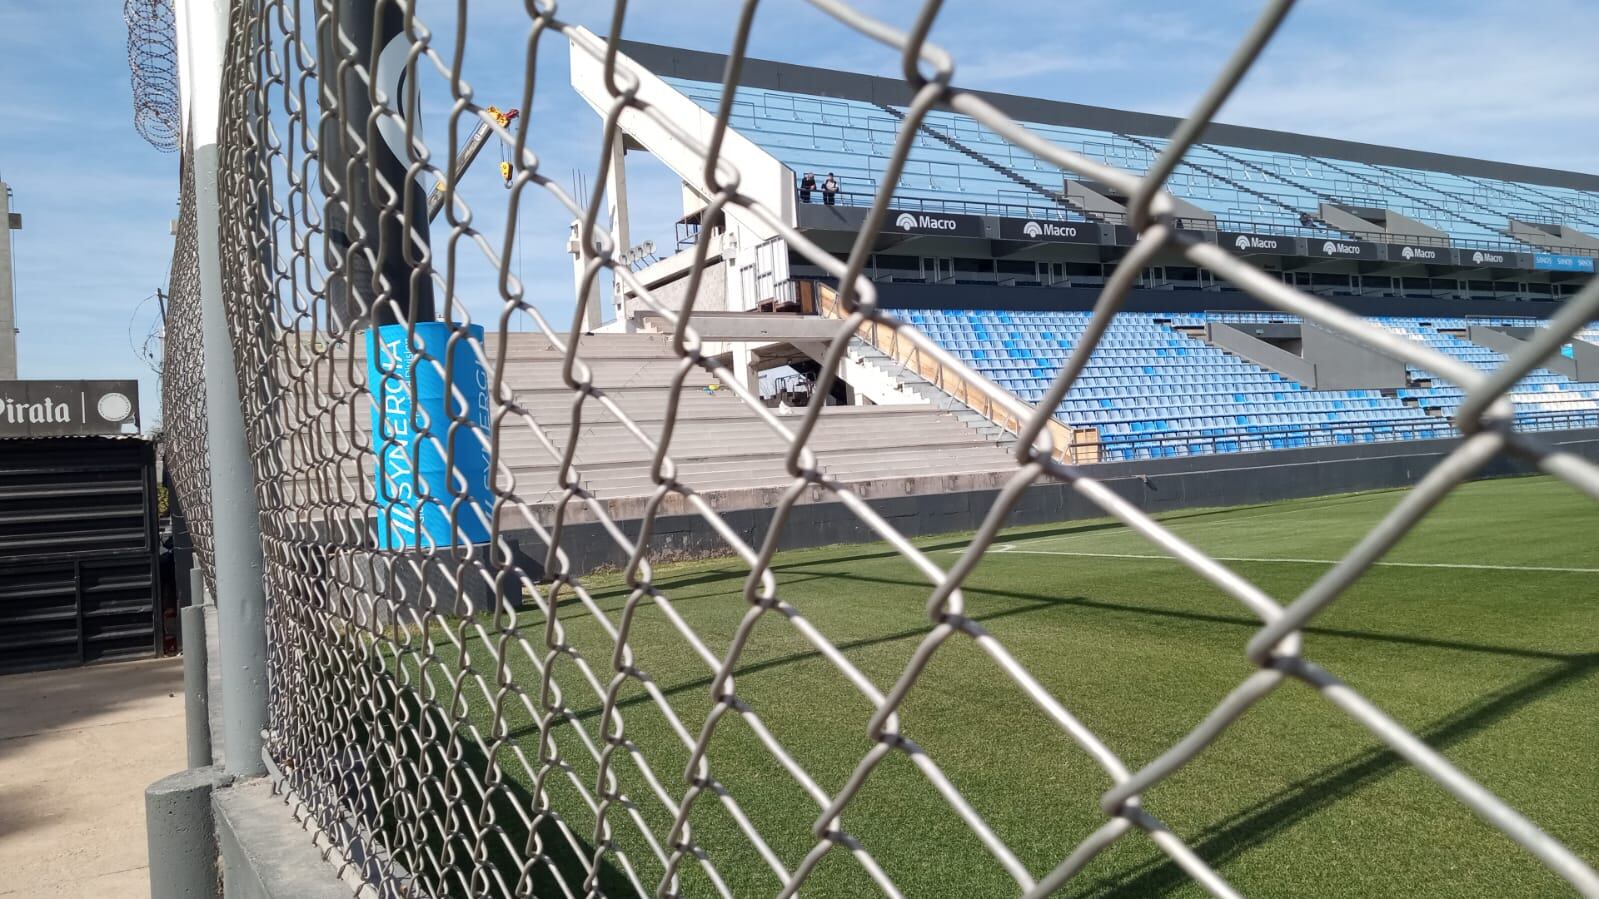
(236, 525)
(196, 692)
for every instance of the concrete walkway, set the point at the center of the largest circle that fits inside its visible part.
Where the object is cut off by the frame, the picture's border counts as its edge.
(77, 749)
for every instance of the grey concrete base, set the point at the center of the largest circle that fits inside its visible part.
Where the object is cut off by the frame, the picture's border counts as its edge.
(266, 854)
(182, 839)
(1153, 486)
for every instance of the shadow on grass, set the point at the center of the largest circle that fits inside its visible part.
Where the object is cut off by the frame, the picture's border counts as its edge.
(791, 659)
(953, 542)
(1249, 827)
(461, 864)
(1209, 618)
(1042, 532)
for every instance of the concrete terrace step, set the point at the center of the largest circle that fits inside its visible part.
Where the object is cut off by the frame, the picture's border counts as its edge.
(636, 482)
(625, 452)
(733, 457)
(720, 442)
(720, 411)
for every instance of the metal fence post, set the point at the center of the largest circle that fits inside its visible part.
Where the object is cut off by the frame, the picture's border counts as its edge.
(196, 698)
(236, 526)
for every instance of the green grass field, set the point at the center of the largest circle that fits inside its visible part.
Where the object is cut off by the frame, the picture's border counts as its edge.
(1485, 643)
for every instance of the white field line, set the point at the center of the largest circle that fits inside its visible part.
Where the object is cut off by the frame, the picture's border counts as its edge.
(1012, 549)
(1181, 524)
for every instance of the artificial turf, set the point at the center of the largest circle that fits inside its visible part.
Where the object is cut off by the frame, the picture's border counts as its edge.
(1493, 666)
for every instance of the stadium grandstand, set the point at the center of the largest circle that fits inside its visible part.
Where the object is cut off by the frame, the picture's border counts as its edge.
(999, 256)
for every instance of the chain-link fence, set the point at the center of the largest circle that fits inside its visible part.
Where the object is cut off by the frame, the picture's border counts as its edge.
(454, 718)
(183, 442)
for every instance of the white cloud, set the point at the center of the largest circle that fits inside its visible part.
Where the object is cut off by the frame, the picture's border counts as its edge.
(1514, 83)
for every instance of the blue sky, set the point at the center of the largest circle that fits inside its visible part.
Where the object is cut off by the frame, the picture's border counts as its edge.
(1503, 81)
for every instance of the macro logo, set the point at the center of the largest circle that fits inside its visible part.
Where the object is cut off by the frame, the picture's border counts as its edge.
(1334, 248)
(1254, 242)
(924, 222)
(1479, 258)
(1408, 253)
(1420, 254)
(1034, 230)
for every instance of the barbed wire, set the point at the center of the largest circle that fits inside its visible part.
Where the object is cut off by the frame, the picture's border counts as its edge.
(153, 71)
(431, 708)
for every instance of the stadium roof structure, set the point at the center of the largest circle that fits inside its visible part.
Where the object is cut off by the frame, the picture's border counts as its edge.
(1259, 192)
(675, 63)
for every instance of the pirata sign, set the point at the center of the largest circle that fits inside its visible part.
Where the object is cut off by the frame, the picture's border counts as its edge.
(68, 408)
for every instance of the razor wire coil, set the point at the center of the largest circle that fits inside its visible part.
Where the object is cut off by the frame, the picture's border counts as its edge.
(153, 71)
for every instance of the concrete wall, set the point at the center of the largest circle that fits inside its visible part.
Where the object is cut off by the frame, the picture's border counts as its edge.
(1342, 364)
(1393, 223)
(1154, 486)
(1502, 341)
(266, 854)
(1239, 342)
(712, 294)
(1344, 221)
(1581, 365)
(1406, 226)
(1563, 238)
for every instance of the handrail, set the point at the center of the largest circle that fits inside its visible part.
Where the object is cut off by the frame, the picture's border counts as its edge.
(1074, 445)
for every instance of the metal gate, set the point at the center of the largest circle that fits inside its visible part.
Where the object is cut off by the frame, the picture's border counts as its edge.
(80, 576)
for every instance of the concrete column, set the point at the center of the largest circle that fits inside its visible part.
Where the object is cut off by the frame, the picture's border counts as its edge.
(744, 367)
(593, 314)
(616, 212)
(8, 302)
(180, 830)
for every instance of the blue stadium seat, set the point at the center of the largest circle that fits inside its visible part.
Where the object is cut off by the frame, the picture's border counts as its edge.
(1150, 404)
(956, 164)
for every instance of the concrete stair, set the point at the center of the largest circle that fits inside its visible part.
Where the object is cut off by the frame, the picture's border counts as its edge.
(719, 443)
(909, 380)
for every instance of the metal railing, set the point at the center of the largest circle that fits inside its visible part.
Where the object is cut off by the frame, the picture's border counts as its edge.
(1074, 445)
(1045, 211)
(954, 206)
